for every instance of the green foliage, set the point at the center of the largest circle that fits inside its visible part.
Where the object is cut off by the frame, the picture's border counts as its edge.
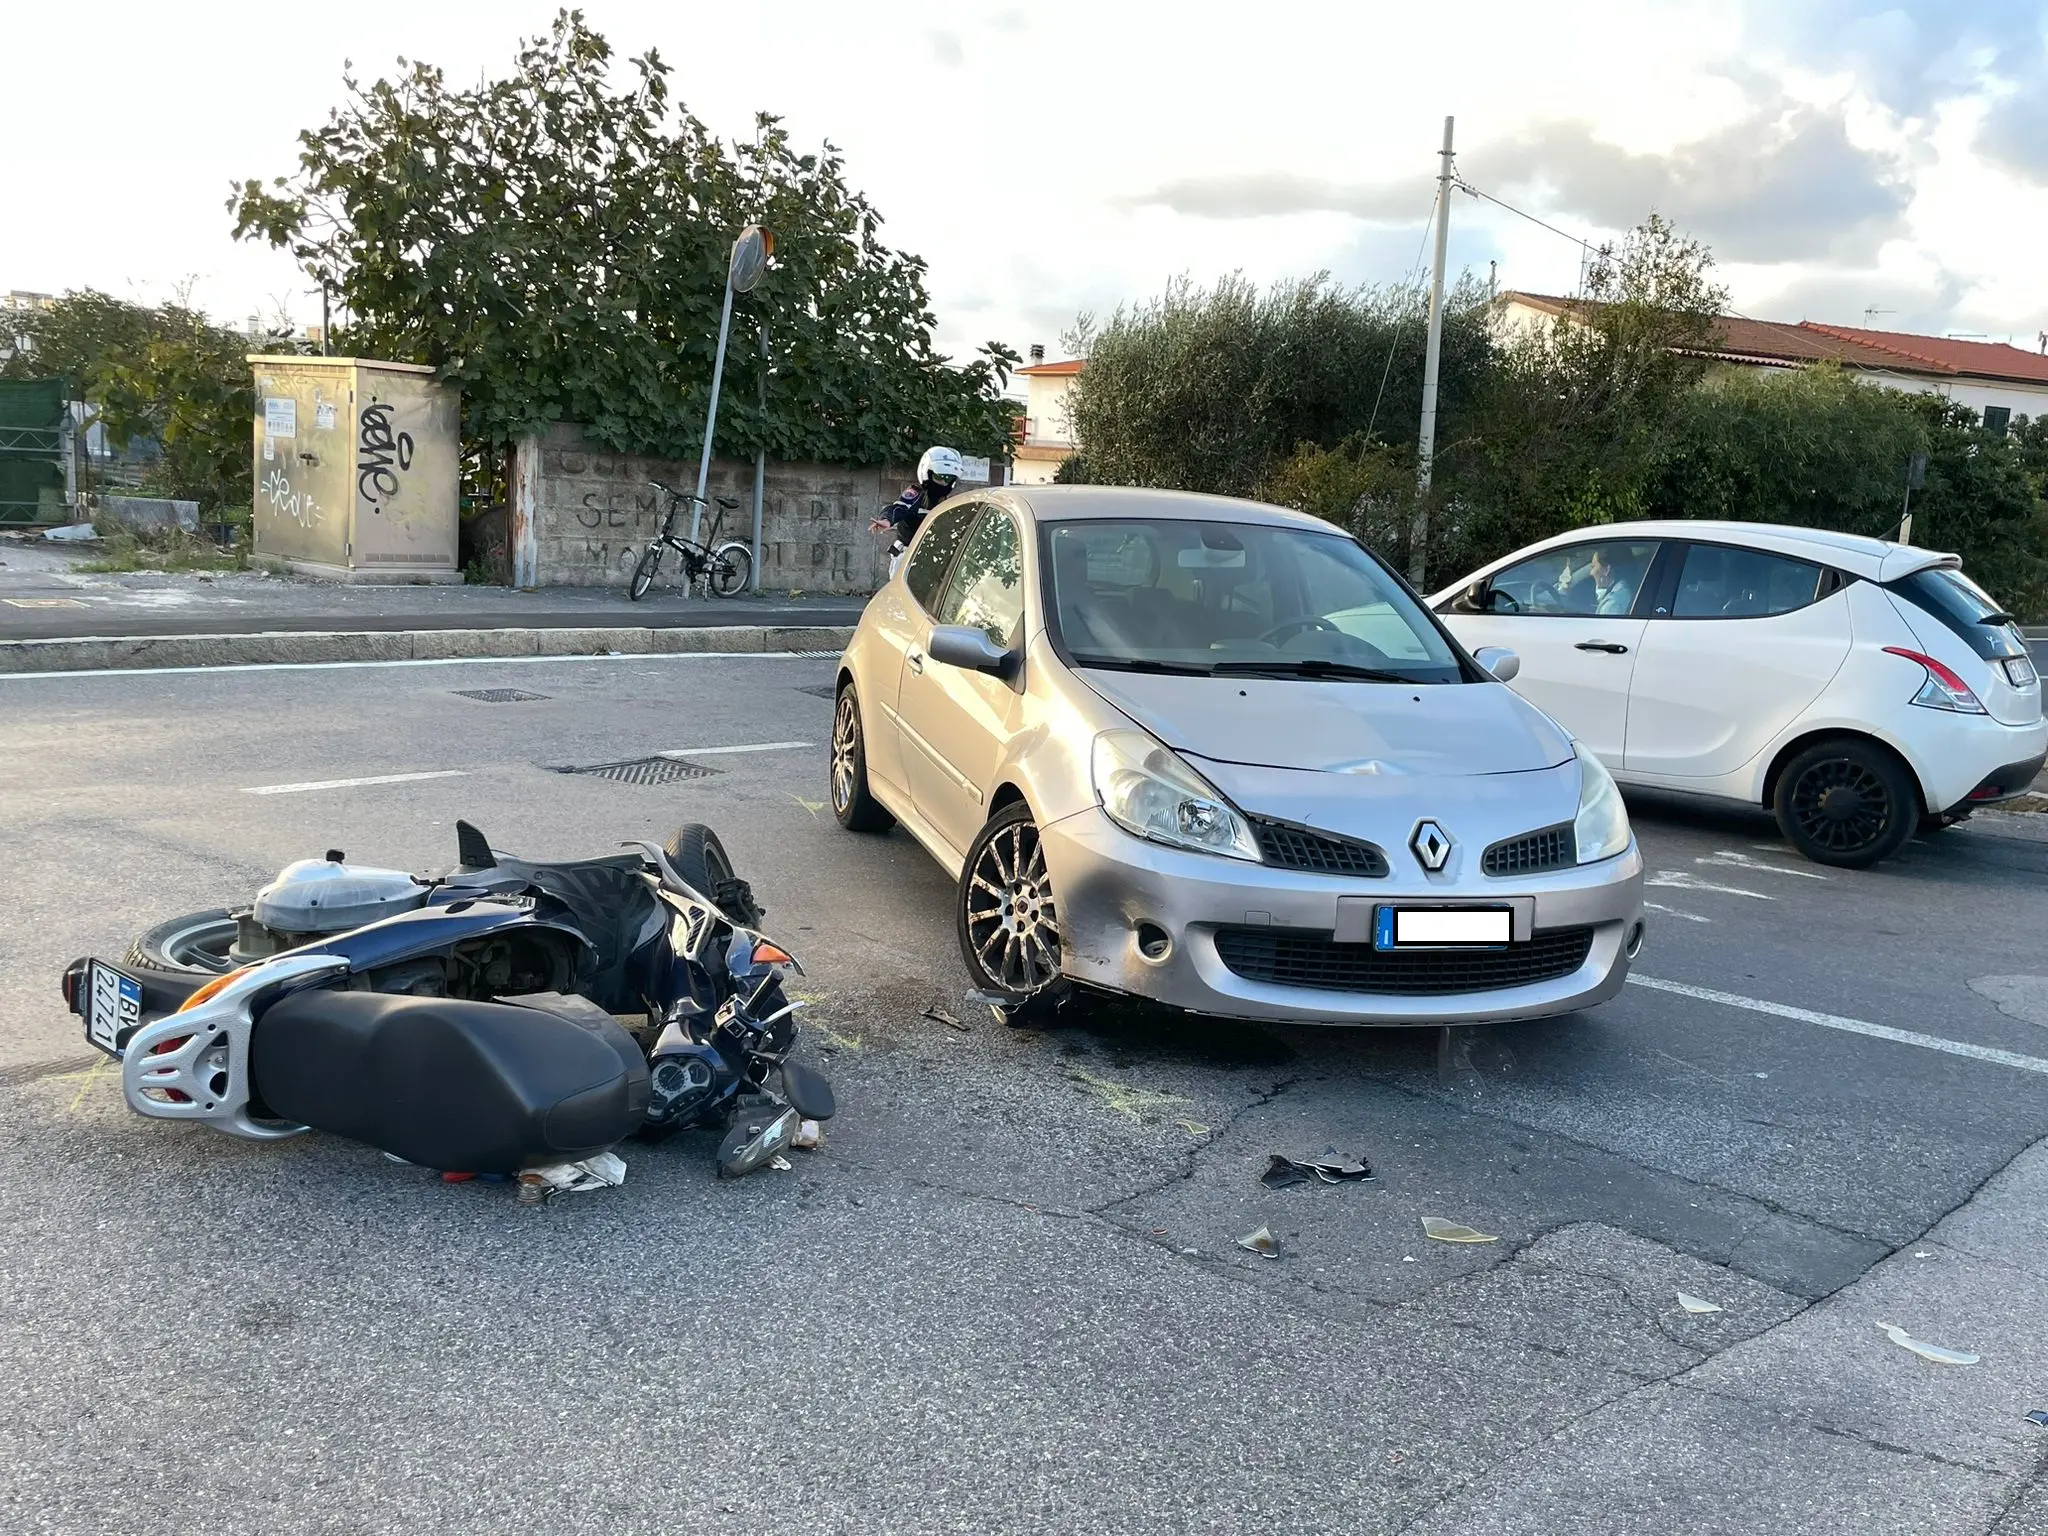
(558, 250)
(1072, 470)
(163, 374)
(1211, 389)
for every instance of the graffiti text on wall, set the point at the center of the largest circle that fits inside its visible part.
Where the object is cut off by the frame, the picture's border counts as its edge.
(381, 456)
(286, 502)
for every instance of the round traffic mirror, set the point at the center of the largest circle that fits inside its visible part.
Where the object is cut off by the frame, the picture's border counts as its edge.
(750, 255)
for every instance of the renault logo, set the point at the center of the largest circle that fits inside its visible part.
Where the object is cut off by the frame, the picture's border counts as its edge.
(1432, 845)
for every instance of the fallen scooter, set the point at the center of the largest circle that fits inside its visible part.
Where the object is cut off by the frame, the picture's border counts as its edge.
(504, 1016)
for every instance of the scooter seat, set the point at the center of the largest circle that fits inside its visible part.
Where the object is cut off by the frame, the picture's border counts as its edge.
(460, 1086)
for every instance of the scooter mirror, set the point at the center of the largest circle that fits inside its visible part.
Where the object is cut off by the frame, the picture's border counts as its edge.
(756, 1136)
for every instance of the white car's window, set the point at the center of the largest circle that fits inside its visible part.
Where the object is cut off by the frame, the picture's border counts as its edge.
(1579, 581)
(987, 589)
(931, 556)
(1184, 595)
(1719, 582)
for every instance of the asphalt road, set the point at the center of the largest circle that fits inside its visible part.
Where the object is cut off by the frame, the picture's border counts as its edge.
(1006, 1294)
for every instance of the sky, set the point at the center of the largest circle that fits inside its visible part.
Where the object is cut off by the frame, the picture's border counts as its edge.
(1848, 161)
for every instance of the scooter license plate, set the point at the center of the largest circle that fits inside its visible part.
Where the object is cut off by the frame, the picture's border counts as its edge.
(113, 1007)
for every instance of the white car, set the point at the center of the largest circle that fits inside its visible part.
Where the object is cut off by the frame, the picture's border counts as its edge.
(1857, 689)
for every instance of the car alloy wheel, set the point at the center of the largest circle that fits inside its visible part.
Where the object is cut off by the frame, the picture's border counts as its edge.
(1847, 803)
(1009, 921)
(856, 808)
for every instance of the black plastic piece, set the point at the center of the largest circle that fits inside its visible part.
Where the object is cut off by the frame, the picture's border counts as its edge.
(336, 856)
(466, 1087)
(808, 1092)
(472, 848)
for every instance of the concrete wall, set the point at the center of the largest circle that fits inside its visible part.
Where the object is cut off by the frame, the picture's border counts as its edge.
(583, 513)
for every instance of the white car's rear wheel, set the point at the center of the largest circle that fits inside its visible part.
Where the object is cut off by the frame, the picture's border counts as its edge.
(1847, 802)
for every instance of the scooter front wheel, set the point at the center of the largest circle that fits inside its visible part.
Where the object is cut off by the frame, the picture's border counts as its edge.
(645, 572)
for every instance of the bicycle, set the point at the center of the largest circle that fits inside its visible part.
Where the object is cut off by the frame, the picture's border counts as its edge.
(723, 569)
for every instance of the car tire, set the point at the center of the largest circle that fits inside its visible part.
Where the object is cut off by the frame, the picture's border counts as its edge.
(1006, 915)
(1847, 803)
(853, 803)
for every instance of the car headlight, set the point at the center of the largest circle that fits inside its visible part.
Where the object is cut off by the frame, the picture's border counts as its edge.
(1601, 828)
(1152, 794)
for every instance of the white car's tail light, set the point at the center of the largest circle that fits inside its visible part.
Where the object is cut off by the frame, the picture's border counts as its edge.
(1942, 689)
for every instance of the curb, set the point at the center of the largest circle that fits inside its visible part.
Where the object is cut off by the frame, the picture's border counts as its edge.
(94, 653)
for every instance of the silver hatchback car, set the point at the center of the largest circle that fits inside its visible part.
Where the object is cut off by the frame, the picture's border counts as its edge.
(1215, 754)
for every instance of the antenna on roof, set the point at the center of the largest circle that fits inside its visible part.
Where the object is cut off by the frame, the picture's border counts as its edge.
(1872, 312)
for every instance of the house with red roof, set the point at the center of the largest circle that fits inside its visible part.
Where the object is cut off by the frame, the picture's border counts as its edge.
(1046, 435)
(1997, 380)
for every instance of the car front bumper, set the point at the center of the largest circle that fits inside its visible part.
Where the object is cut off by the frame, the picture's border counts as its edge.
(1113, 888)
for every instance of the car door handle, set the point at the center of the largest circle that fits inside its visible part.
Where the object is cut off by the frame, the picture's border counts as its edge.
(915, 661)
(1602, 645)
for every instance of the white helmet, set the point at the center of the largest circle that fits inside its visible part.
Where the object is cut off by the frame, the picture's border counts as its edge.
(942, 464)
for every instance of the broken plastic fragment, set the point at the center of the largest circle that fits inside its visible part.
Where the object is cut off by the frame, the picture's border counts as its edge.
(1284, 1171)
(1450, 1232)
(809, 1136)
(939, 1015)
(2038, 1416)
(1938, 1353)
(607, 1170)
(780, 1163)
(1695, 1305)
(1261, 1242)
(1923, 1254)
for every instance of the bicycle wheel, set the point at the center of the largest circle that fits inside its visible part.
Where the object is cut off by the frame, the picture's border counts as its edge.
(645, 572)
(731, 570)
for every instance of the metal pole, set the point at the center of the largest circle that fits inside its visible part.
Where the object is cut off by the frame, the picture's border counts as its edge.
(760, 463)
(1418, 552)
(326, 326)
(711, 416)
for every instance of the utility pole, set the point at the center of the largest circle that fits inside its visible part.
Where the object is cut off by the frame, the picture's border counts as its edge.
(1418, 541)
(760, 464)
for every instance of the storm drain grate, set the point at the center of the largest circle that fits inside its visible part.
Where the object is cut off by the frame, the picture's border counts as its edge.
(822, 691)
(646, 770)
(499, 695)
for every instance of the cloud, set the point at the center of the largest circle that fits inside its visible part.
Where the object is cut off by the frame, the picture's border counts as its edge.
(1782, 184)
(1264, 194)
(946, 49)
(1908, 55)
(1926, 304)
(2015, 132)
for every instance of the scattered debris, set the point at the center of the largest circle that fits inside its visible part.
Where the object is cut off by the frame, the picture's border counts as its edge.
(1261, 1242)
(1924, 1254)
(939, 1015)
(1940, 1354)
(1193, 1127)
(780, 1163)
(533, 1189)
(77, 533)
(1282, 1172)
(1696, 1305)
(604, 1171)
(810, 1136)
(1451, 1232)
(2037, 1416)
(1407, 1258)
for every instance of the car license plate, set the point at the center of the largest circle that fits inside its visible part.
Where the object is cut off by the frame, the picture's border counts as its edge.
(113, 1007)
(2019, 671)
(1442, 927)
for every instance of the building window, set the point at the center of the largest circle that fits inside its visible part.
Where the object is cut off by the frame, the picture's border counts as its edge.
(1997, 418)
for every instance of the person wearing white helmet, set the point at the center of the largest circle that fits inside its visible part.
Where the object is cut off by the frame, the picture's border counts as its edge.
(937, 473)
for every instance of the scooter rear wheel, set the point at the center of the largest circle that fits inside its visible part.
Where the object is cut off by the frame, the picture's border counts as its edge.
(196, 944)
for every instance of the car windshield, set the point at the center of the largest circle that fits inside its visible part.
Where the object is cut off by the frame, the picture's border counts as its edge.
(1171, 595)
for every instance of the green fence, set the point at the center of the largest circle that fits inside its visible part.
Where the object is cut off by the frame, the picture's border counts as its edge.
(32, 447)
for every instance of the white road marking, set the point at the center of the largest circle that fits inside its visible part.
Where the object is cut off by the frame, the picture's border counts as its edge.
(1849, 1026)
(1683, 880)
(375, 778)
(1690, 917)
(756, 746)
(1744, 861)
(430, 661)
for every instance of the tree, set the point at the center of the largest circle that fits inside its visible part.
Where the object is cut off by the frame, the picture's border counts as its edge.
(163, 374)
(1212, 389)
(557, 249)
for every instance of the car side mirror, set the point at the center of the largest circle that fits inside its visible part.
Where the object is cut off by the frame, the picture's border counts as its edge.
(1498, 662)
(964, 646)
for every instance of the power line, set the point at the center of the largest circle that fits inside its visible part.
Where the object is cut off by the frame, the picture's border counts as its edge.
(1394, 341)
